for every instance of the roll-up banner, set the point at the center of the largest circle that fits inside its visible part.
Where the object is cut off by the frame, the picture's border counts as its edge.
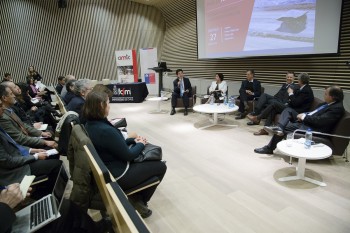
(127, 66)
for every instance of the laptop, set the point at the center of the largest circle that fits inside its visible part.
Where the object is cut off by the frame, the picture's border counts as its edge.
(43, 211)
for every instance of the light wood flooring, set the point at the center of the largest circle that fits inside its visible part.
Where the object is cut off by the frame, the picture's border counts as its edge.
(216, 183)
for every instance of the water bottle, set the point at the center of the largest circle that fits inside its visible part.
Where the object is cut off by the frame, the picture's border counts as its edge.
(232, 102)
(211, 99)
(308, 139)
(225, 100)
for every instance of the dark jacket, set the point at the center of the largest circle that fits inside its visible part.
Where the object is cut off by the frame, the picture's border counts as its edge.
(187, 85)
(59, 88)
(13, 166)
(256, 87)
(68, 97)
(302, 99)
(8, 217)
(325, 119)
(76, 104)
(111, 146)
(282, 94)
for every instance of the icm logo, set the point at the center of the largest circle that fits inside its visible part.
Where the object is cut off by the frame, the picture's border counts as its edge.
(123, 58)
(122, 92)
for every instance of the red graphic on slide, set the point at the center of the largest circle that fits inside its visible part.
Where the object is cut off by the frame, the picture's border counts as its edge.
(226, 25)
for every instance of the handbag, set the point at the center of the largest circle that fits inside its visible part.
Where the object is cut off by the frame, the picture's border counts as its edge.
(150, 153)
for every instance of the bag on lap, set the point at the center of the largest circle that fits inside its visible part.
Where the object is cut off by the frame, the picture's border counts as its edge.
(150, 153)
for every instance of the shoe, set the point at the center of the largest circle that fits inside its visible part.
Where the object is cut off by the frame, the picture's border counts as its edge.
(254, 120)
(274, 130)
(172, 112)
(252, 123)
(263, 150)
(240, 116)
(186, 112)
(140, 206)
(261, 132)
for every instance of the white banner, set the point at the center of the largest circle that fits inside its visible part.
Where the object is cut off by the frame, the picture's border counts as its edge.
(127, 66)
(148, 59)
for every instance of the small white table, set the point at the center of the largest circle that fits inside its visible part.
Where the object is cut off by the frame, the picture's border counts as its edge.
(297, 150)
(159, 100)
(214, 109)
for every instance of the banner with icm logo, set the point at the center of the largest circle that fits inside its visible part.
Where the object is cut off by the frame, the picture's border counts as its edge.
(127, 66)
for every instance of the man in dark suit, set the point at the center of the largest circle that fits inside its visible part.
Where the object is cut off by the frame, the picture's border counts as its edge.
(250, 89)
(82, 87)
(183, 89)
(61, 82)
(322, 119)
(299, 98)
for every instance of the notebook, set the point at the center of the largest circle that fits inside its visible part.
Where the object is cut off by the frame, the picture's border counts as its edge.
(43, 211)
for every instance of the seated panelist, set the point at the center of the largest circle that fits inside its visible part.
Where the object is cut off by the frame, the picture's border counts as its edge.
(218, 87)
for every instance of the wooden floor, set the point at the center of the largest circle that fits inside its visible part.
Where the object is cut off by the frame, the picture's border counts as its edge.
(216, 183)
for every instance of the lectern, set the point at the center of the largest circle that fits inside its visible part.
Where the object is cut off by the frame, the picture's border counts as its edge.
(160, 69)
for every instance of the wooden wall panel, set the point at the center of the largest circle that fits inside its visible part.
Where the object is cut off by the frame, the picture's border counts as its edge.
(80, 39)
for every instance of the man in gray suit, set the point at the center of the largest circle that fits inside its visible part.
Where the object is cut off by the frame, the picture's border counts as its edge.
(22, 133)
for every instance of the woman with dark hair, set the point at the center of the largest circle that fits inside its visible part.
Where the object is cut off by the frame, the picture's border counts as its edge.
(118, 153)
(218, 86)
(33, 73)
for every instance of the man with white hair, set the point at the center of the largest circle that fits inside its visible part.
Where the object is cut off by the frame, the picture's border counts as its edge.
(81, 89)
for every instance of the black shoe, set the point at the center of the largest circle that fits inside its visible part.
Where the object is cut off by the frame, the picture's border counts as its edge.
(241, 116)
(186, 113)
(252, 123)
(172, 112)
(263, 150)
(274, 130)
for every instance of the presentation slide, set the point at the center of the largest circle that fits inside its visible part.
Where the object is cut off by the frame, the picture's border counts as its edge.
(246, 28)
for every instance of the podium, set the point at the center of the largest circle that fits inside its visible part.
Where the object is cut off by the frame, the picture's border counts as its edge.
(160, 71)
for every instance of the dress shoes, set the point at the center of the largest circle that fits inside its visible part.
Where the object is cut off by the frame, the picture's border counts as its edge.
(274, 130)
(254, 120)
(186, 112)
(263, 150)
(172, 112)
(240, 116)
(261, 132)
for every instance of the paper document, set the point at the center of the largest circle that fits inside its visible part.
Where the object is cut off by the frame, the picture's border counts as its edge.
(25, 184)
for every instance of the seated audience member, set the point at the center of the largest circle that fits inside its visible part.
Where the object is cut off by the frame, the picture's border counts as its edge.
(7, 77)
(70, 91)
(250, 88)
(64, 89)
(22, 133)
(323, 119)
(34, 92)
(82, 87)
(60, 84)
(16, 161)
(72, 219)
(117, 154)
(218, 87)
(299, 98)
(183, 89)
(33, 73)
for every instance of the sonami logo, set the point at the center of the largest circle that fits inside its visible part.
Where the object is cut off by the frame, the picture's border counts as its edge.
(126, 57)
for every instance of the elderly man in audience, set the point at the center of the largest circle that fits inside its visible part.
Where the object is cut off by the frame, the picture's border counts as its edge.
(323, 119)
(82, 87)
(22, 133)
(250, 88)
(66, 79)
(299, 97)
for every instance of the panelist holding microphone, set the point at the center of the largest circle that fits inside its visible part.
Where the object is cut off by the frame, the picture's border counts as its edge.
(183, 89)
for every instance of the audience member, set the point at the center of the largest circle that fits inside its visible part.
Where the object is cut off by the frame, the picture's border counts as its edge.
(218, 87)
(33, 73)
(7, 77)
(300, 99)
(82, 87)
(60, 84)
(66, 79)
(118, 154)
(70, 91)
(183, 89)
(322, 119)
(250, 88)
(22, 133)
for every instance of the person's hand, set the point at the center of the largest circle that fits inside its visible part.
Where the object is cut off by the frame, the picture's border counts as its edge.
(42, 155)
(46, 134)
(290, 91)
(187, 91)
(11, 196)
(34, 109)
(249, 92)
(142, 140)
(300, 117)
(51, 144)
(34, 150)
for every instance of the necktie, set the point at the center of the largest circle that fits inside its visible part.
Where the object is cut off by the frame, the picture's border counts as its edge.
(182, 87)
(14, 117)
(317, 109)
(24, 152)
